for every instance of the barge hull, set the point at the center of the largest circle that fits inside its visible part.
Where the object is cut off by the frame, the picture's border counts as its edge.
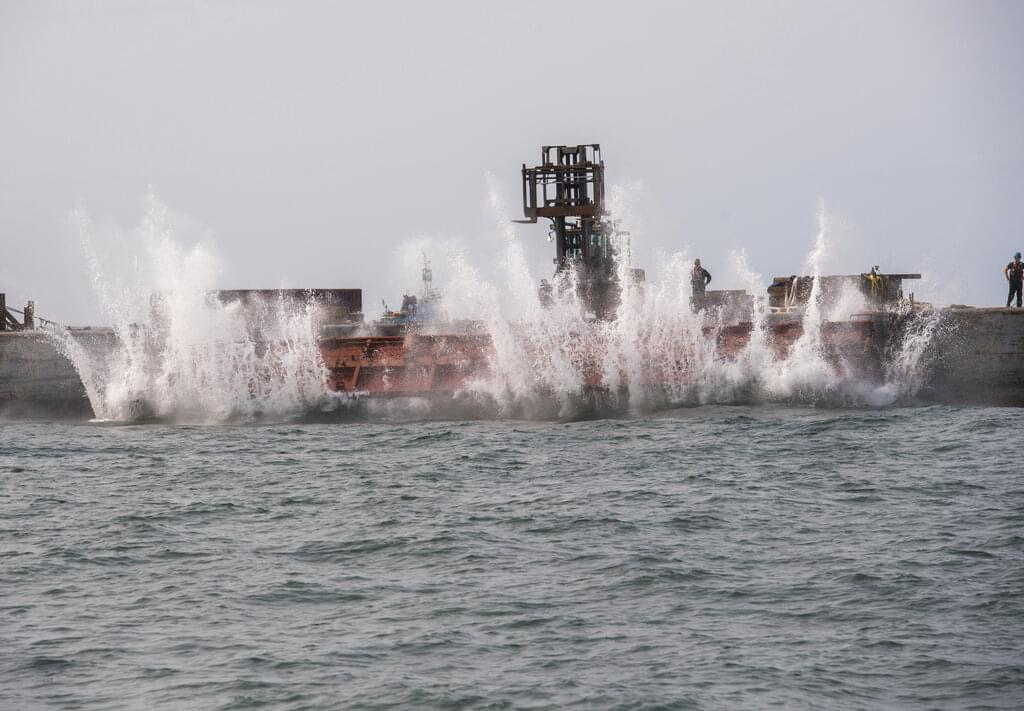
(37, 381)
(976, 357)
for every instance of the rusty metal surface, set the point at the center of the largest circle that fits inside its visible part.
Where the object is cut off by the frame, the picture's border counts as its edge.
(568, 182)
(392, 366)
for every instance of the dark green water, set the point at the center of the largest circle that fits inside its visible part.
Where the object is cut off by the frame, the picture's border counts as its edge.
(708, 558)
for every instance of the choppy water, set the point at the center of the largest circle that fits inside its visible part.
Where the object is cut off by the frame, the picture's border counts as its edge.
(709, 558)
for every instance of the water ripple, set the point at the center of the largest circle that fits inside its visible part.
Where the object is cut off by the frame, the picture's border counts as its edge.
(717, 557)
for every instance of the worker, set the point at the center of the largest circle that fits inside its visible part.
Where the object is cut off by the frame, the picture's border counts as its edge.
(875, 279)
(699, 279)
(1014, 273)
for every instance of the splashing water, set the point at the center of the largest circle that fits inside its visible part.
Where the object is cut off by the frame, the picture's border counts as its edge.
(657, 350)
(177, 352)
(906, 366)
(805, 373)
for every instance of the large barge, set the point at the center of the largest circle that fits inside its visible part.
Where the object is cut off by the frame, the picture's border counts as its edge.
(960, 354)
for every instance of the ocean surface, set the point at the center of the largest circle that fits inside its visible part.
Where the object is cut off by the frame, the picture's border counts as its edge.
(706, 558)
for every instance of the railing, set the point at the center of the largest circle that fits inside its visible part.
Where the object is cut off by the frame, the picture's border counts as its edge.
(29, 320)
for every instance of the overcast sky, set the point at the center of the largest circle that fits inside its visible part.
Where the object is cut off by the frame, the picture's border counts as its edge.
(312, 140)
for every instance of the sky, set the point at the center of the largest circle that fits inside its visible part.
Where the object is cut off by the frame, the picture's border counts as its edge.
(319, 144)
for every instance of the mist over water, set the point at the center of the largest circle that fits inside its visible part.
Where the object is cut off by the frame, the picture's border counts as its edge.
(180, 354)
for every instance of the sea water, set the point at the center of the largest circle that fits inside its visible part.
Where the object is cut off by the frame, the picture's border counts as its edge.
(709, 557)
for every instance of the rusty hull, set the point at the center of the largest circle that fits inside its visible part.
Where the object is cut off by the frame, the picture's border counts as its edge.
(402, 366)
(428, 365)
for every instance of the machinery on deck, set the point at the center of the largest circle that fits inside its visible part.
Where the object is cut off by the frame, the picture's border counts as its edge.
(398, 358)
(568, 189)
(878, 290)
